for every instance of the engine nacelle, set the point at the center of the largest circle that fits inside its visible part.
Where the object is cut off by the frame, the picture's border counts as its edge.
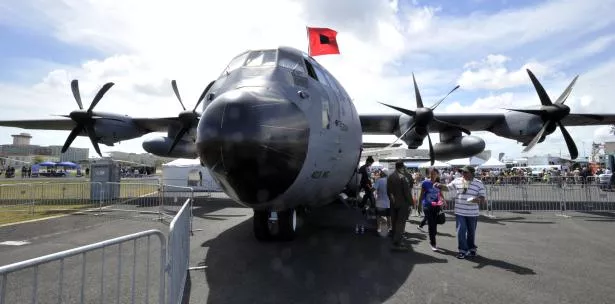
(459, 147)
(110, 131)
(160, 146)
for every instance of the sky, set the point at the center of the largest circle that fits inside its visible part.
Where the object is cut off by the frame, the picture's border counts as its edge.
(484, 46)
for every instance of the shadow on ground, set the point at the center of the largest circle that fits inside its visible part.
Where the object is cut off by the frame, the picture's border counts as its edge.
(327, 263)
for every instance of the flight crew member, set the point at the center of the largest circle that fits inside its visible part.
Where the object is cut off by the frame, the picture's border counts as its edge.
(366, 183)
(399, 189)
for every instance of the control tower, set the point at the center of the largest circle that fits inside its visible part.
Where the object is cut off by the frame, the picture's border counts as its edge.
(21, 139)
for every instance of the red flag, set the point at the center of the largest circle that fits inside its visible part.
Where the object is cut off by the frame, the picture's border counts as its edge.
(323, 41)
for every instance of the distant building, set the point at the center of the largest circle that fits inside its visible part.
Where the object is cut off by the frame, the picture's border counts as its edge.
(21, 152)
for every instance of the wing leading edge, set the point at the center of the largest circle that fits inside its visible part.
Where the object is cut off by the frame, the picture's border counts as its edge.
(150, 124)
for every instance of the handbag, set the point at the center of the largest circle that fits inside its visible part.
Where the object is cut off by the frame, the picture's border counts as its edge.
(441, 217)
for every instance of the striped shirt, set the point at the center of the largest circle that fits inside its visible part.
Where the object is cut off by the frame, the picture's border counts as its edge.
(475, 188)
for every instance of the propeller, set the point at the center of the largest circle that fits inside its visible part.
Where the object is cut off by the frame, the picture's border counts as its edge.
(551, 114)
(186, 117)
(423, 116)
(85, 119)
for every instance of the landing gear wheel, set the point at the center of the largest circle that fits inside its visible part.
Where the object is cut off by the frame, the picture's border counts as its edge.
(287, 225)
(261, 225)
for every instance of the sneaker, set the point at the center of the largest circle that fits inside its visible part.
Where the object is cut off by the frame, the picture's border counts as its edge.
(461, 255)
(435, 248)
(420, 228)
(471, 254)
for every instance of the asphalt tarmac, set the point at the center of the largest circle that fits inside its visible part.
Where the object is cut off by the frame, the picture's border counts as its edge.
(523, 258)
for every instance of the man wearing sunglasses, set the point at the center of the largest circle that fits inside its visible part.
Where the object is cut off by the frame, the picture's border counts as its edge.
(469, 193)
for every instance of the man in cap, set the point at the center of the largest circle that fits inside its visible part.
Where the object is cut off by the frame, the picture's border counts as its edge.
(399, 190)
(469, 193)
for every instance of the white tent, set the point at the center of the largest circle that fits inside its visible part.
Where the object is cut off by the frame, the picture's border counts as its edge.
(460, 162)
(183, 173)
(437, 164)
(492, 163)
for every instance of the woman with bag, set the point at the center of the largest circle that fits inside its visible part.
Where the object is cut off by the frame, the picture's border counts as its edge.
(432, 201)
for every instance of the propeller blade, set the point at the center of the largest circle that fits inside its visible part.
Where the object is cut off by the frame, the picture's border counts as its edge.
(402, 135)
(405, 111)
(562, 98)
(74, 85)
(441, 100)
(71, 137)
(417, 94)
(572, 148)
(100, 95)
(432, 154)
(92, 135)
(178, 137)
(464, 130)
(538, 136)
(176, 91)
(529, 111)
(542, 94)
(203, 95)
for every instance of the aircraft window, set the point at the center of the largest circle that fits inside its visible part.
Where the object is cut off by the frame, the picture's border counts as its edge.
(310, 69)
(320, 75)
(288, 61)
(236, 63)
(259, 58)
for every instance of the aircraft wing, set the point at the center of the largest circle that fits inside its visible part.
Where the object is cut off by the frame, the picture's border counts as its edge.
(150, 124)
(156, 124)
(380, 124)
(582, 119)
(40, 124)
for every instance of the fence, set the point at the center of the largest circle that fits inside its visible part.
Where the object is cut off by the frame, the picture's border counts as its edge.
(558, 195)
(147, 200)
(59, 285)
(172, 266)
(179, 252)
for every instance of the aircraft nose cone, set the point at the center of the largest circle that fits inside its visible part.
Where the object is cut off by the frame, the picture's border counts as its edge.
(254, 143)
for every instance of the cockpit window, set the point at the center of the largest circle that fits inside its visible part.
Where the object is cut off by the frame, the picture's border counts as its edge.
(236, 63)
(291, 62)
(260, 58)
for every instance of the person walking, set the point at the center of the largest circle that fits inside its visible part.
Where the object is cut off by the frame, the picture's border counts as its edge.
(430, 198)
(399, 190)
(383, 204)
(469, 194)
(366, 184)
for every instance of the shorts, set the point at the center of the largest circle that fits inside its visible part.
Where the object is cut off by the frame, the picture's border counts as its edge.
(383, 211)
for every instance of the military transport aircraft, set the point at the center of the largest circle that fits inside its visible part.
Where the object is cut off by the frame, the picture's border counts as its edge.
(280, 134)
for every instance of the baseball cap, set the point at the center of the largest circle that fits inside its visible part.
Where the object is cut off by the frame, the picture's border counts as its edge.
(468, 169)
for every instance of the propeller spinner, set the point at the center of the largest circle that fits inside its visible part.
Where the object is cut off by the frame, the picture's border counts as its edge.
(84, 118)
(552, 113)
(423, 116)
(186, 117)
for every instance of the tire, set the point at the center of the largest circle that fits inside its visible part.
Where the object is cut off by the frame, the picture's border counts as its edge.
(287, 225)
(261, 225)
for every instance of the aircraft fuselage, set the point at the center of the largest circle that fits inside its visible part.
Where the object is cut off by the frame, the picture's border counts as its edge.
(281, 134)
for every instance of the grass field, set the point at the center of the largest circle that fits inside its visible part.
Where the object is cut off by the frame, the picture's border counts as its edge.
(27, 199)
(15, 214)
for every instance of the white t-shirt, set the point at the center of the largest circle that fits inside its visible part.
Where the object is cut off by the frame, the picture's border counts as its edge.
(475, 188)
(382, 197)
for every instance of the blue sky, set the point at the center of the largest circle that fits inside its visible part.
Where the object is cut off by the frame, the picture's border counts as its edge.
(482, 45)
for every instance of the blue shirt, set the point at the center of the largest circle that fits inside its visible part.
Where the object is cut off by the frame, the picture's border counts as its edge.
(430, 193)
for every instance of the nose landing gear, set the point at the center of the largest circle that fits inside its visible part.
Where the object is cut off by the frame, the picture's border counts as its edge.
(275, 226)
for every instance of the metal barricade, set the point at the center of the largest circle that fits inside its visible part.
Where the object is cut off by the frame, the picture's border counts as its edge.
(57, 283)
(178, 257)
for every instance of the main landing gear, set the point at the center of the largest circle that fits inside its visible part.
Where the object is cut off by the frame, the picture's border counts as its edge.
(272, 225)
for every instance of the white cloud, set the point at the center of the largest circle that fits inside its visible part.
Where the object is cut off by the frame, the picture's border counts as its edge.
(192, 41)
(491, 73)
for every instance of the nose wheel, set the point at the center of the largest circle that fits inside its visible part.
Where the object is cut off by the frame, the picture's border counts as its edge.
(275, 226)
